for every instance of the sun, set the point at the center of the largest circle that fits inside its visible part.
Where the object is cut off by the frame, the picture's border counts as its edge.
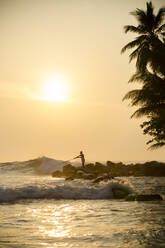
(55, 89)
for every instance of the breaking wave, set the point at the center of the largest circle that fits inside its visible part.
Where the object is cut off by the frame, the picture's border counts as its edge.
(41, 165)
(65, 191)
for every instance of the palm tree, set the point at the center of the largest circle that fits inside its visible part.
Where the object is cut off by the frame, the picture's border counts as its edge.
(149, 51)
(151, 31)
(150, 97)
(155, 127)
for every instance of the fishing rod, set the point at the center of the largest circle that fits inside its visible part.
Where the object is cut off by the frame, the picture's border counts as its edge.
(65, 161)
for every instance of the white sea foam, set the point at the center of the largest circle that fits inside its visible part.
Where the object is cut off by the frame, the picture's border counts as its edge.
(49, 165)
(65, 191)
(41, 165)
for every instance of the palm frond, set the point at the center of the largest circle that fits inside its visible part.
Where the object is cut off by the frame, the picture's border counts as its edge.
(150, 78)
(143, 57)
(151, 83)
(134, 54)
(147, 111)
(150, 13)
(160, 29)
(129, 46)
(156, 146)
(143, 111)
(139, 49)
(163, 34)
(131, 28)
(160, 17)
(146, 19)
(150, 17)
(137, 42)
(133, 94)
(140, 15)
(138, 77)
(150, 7)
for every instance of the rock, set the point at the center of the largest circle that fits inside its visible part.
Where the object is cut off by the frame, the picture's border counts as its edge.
(101, 178)
(151, 197)
(143, 197)
(119, 193)
(69, 170)
(80, 174)
(98, 179)
(57, 173)
(88, 176)
(69, 178)
(131, 197)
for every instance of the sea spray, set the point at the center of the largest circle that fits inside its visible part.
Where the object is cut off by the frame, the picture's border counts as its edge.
(41, 165)
(65, 191)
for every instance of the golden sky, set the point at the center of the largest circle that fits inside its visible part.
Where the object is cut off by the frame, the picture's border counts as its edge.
(79, 41)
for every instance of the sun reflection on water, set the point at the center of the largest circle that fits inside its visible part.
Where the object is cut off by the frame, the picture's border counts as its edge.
(57, 222)
(57, 233)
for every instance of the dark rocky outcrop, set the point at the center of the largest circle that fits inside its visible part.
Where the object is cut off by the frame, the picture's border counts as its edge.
(102, 178)
(120, 193)
(97, 171)
(152, 168)
(151, 197)
(69, 170)
(57, 173)
(144, 197)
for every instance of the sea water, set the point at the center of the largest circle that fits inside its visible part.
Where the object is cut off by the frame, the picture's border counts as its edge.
(37, 210)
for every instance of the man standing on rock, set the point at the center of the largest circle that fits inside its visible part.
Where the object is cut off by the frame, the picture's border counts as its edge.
(82, 158)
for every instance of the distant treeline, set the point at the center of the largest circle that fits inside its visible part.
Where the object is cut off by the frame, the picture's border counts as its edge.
(94, 170)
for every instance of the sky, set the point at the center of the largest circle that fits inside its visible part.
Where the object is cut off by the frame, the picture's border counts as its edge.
(78, 41)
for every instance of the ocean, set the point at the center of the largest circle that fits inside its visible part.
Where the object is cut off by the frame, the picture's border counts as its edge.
(37, 210)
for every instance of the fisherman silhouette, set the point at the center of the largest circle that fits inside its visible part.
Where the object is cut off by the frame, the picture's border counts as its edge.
(82, 158)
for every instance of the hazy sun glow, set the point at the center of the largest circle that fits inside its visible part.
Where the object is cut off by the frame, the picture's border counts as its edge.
(54, 89)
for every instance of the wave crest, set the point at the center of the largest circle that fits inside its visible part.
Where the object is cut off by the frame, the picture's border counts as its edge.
(42, 165)
(9, 195)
